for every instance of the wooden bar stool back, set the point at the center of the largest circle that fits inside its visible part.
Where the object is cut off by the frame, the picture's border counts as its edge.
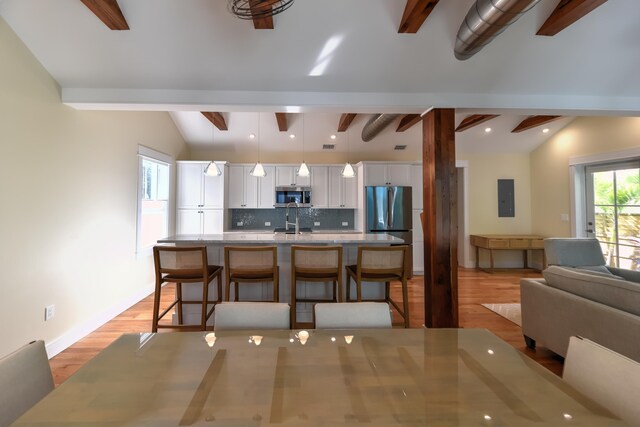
(184, 265)
(251, 264)
(381, 264)
(315, 264)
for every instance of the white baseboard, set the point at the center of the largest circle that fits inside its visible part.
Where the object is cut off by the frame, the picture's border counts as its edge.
(78, 332)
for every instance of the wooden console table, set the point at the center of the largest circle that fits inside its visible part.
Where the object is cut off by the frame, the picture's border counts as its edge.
(517, 242)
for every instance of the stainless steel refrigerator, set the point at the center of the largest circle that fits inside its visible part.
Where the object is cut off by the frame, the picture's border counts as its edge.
(389, 211)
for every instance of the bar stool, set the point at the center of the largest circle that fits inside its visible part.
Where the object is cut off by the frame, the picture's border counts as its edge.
(251, 264)
(184, 265)
(315, 264)
(381, 264)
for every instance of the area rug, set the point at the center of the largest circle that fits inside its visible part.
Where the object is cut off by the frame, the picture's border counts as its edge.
(508, 311)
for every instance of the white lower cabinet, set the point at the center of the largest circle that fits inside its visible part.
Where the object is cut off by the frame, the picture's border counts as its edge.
(200, 221)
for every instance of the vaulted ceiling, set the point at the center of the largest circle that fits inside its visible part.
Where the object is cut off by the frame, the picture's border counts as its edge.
(335, 57)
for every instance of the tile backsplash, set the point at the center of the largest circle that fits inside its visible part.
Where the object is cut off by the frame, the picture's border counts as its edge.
(328, 219)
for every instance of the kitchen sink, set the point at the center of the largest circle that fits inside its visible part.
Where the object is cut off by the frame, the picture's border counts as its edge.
(281, 230)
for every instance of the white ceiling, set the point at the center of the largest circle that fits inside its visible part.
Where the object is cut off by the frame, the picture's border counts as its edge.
(192, 55)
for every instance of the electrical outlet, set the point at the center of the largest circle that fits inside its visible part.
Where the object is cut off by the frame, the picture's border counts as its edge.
(267, 224)
(316, 223)
(345, 224)
(564, 217)
(240, 224)
(49, 312)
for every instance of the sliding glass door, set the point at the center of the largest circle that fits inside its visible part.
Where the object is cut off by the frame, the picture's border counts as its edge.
(613, 211)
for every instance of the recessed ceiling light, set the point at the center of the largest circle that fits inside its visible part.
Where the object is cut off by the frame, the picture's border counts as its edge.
(332, 137)
(545, 130)
(487, 130)
(292, 136)
(252, 136)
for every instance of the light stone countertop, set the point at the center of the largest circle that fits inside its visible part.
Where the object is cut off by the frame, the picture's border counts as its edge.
(285, 239)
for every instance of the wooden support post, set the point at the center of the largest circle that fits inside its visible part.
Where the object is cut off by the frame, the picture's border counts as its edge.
(440, 190)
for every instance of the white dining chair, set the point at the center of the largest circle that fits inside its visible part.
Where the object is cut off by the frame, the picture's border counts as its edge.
(605, 377)
(352, 315)
(230, 316)
(25, 378)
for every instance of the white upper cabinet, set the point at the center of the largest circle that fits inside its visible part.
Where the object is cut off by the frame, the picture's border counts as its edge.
(398, 174)
(375, 174)
(196, 190)
(319, 186)
(343, 192)
(250, 192)
(416, 186)
(287, 176)
(387, 174)
(243, 188)
(267, 188)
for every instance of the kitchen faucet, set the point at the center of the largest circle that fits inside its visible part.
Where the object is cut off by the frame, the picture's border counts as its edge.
(286, 221)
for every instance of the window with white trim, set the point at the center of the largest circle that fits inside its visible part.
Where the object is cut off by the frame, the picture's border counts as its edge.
(153, 198)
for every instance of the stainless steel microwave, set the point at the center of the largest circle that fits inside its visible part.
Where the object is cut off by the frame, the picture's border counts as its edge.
(299, 195)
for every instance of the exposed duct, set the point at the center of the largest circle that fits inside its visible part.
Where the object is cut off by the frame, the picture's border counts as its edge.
(485, 20)
(376, 124)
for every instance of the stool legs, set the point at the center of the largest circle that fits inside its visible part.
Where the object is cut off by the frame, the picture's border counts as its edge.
(156, 307)
(405, 302)
(179, 298)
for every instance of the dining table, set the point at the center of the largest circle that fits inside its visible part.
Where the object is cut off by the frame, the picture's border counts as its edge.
(371, 377)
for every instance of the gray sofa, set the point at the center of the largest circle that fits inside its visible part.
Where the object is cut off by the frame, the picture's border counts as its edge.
(582, 297)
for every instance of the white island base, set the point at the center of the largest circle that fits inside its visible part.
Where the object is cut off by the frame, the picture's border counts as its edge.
(264, 291)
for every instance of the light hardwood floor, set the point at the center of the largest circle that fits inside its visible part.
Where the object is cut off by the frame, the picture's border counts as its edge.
(475, 288)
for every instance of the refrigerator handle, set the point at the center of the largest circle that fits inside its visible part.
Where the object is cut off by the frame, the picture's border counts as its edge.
(390, 204)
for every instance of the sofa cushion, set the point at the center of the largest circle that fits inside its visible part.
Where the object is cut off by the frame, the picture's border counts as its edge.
(616, 293)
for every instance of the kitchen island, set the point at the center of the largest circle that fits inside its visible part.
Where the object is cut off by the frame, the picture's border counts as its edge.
(215, 244)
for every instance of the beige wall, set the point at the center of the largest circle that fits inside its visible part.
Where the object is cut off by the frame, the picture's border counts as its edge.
(550, 187)
(484, 172)
(68, 190)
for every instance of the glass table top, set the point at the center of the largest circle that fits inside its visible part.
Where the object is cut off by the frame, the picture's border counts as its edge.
(382, 377)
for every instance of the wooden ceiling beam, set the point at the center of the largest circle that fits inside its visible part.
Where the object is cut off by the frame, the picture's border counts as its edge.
(345, 121)
(281, 118)
(566, 13)
(474, 120)
(257, 7)
(216, 118)
(407, 121)
(415, 13)
(534, 121)
(108, 12)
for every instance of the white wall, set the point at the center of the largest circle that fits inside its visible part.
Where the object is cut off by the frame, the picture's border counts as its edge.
(68, 215)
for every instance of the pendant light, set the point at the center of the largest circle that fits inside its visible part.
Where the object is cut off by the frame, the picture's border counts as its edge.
(303, 170)
(348, 171)
(212, 168)
(258, 170)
